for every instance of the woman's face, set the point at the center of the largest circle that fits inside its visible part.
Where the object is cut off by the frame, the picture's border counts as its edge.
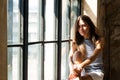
(84, 29)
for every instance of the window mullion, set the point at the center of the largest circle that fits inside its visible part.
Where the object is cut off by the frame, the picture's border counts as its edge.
(25, 40)
(43, 38)
(59, 39)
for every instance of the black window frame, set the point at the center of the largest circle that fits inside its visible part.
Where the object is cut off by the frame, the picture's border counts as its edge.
(58, 13)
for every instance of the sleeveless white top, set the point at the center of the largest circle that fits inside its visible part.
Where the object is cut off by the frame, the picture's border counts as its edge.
(97, 65)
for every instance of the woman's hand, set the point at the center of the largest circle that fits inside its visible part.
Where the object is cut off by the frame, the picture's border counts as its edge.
(78, 68)
(73, 75)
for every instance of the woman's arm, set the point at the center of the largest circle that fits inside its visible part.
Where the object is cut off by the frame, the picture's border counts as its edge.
(97, 50)
(72, 50)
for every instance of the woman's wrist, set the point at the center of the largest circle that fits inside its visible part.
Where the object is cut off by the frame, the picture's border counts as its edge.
(80, 67)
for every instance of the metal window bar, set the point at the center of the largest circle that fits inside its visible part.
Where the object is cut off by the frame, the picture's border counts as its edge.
(43, 36)
(39, 42)
(59, 39)
(25, 44)
(25, 40)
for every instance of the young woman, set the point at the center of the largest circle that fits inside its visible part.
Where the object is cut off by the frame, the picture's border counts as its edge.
(90, 44)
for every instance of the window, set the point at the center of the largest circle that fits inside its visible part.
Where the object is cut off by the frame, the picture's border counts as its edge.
(39, 34)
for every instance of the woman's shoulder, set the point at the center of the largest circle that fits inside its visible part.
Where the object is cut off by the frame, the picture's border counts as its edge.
(100, 42)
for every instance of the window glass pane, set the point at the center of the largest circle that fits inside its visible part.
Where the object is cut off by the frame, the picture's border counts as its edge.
(49, 21)
(65, 19)
(74, 13)
(34, 20)
(64, 61)
(34, 62)
(50, 65)
(14, 63)
(13, 22)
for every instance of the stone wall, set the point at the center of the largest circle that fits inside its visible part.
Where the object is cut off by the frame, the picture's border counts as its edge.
(109, 23)
(113, 23)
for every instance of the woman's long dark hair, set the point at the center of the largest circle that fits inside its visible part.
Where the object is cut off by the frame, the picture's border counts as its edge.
(93, 30)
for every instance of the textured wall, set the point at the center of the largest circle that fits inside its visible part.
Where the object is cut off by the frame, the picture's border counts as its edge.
(113, 22)
(109, 23)
(3, 39)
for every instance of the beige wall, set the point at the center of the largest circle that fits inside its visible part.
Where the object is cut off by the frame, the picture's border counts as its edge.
(89, 7)
(3, 39)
